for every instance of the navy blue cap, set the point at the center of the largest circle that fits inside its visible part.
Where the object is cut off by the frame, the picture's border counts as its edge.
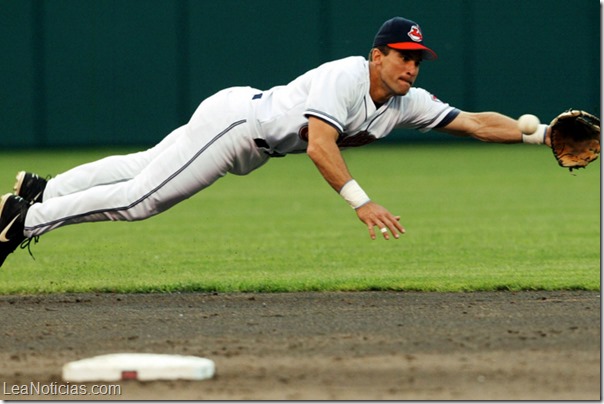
(402, 34)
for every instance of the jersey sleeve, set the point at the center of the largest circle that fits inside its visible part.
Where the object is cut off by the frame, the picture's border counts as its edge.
(333, 91)
(423, 111)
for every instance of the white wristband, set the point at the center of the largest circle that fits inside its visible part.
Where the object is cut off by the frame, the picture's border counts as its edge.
(354, 194)
(537, 137)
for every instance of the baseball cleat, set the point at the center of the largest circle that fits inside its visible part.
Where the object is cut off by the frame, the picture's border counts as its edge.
(13, 209)
(30, 186)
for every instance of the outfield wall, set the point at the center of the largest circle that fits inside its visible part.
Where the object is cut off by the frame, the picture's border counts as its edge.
(127, 72)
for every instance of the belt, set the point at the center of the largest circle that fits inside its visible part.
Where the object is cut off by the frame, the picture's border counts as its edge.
(262, 144)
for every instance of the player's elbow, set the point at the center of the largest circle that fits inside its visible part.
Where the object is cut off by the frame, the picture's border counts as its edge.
(316, 150)
(312, 151)
(322, 139)
(322, 150)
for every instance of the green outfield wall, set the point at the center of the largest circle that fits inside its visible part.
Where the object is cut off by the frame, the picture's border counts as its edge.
(127, 72)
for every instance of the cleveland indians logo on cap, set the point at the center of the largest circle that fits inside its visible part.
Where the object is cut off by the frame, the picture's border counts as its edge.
(415, 34)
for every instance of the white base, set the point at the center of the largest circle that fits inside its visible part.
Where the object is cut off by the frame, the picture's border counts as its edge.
(138, 366)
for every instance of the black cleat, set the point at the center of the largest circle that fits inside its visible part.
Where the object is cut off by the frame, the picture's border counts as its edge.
(30, 186)
(13, 209)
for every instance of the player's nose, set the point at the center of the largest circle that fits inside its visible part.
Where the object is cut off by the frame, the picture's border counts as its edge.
(411, 69)
(414, 65)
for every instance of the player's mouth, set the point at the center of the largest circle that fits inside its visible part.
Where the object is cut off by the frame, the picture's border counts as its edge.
(404, 80)
(406, 83)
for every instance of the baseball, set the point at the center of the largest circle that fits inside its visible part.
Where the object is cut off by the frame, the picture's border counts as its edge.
(528, 123)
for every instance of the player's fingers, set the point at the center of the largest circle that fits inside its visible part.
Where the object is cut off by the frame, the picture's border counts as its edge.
(392, 229)
(398, 225)
(384, 227)
(375, 216)
(384, 231)
(371, 226)
(392, 224)
(371, 232)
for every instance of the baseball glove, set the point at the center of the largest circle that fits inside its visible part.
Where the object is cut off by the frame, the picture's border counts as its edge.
(575, 137)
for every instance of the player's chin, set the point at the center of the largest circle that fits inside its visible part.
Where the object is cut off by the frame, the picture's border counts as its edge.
(403, 87)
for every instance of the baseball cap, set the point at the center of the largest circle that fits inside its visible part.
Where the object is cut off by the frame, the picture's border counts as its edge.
(402, 34)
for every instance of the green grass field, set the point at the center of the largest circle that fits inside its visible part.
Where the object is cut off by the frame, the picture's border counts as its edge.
(478, 217)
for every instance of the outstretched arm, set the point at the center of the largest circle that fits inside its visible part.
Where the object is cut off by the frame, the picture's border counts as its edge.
(325, 153)
(488, 127)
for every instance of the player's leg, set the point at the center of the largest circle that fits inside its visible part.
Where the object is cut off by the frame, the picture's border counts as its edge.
(107, 170)
(196, 160)
(217, 140)
(14, 209)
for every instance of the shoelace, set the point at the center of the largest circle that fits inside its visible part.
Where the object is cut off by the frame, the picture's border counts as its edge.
(27, 244)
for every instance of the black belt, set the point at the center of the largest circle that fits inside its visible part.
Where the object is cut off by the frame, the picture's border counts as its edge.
(262, 144)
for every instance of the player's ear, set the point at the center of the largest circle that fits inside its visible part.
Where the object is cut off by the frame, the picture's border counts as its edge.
(375, 55)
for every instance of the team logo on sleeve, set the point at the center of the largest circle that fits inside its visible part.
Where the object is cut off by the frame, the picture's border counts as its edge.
(415, 34)
(435, 98)
(303, 133)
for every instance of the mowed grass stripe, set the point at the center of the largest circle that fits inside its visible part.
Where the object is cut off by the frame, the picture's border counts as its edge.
(478, 217)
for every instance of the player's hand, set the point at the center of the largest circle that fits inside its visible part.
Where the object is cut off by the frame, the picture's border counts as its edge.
(378, 217)
(548, 136)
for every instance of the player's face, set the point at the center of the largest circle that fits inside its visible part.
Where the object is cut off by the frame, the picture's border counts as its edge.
(399, 69)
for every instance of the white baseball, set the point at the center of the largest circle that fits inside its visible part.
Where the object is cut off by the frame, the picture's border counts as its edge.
(528, 123)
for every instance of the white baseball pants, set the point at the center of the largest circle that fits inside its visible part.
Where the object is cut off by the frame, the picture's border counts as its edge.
(219, 139)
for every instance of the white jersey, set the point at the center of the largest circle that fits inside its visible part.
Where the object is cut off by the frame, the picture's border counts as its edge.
(338, 93)
(235, 131)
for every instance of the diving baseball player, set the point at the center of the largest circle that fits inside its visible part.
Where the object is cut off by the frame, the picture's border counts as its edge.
(345, 103)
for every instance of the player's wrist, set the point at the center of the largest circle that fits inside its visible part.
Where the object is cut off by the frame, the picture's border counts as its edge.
(537, 137)
(354, 195)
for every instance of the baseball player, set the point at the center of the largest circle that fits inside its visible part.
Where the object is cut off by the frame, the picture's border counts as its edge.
(344, 103)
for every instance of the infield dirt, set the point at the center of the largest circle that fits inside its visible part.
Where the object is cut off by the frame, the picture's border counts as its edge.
(328, 346)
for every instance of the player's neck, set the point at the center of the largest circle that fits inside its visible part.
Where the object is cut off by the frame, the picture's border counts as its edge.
(377, 91)
(379, 96)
